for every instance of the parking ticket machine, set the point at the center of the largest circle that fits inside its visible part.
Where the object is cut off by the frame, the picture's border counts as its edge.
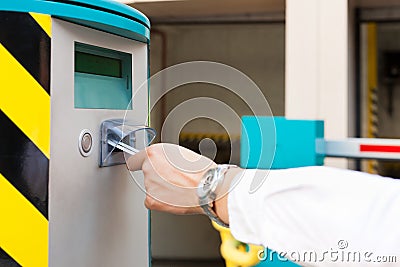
(73, 97)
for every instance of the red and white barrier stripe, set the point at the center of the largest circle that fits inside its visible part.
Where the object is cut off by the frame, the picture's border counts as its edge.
(366, 148)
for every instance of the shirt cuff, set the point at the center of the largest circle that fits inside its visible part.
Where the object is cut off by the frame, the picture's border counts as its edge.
(241, 201)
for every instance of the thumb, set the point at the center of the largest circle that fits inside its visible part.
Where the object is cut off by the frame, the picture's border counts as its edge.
(136, 161)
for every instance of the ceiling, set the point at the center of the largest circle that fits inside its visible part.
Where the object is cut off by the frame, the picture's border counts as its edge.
(190, 10)
(208, 8)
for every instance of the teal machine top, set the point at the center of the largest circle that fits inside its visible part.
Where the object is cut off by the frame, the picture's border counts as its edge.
(105, 15)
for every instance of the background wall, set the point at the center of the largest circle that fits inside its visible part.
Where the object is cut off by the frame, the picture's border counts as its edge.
(388, 40)
(256, 50)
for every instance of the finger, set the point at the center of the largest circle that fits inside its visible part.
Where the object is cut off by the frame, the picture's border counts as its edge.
(135, 162)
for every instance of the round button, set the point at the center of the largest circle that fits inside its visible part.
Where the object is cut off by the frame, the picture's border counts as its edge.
(86, 142)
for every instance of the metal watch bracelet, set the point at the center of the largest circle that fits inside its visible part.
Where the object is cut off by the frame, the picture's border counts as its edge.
(208, 189)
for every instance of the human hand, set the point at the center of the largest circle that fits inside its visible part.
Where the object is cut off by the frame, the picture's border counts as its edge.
(172, 175)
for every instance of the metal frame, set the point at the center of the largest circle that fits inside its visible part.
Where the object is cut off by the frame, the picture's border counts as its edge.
(379, 14)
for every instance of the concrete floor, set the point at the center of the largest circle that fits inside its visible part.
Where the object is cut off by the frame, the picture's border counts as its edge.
(156, 263)
(188, 263)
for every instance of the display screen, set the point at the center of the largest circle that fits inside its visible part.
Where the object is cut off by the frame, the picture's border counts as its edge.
(102, 78)
(99, 65)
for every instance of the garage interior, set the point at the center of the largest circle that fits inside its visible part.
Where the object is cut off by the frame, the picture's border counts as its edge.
(251, 37)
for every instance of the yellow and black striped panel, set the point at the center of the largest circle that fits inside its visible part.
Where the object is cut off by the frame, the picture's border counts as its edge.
(6, 260)
(29, 44)
(25, 40)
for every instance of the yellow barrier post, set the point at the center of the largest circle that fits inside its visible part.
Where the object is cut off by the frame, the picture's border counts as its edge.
(236, 253)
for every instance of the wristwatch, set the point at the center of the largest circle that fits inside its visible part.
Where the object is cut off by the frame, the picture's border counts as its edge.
(208, 189)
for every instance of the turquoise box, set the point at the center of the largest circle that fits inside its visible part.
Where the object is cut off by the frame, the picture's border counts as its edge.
(279, 143)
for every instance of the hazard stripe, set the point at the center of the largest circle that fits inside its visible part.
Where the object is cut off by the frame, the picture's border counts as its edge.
(372, 100)
(44, 21)
(23, 230)
(6, 260)
(24, 137)
(24, 101)
(26, 40)
(24, 164)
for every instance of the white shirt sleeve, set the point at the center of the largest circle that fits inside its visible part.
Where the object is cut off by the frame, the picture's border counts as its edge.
(319, 210)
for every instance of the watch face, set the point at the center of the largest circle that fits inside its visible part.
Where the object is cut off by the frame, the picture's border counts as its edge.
(206, 184)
